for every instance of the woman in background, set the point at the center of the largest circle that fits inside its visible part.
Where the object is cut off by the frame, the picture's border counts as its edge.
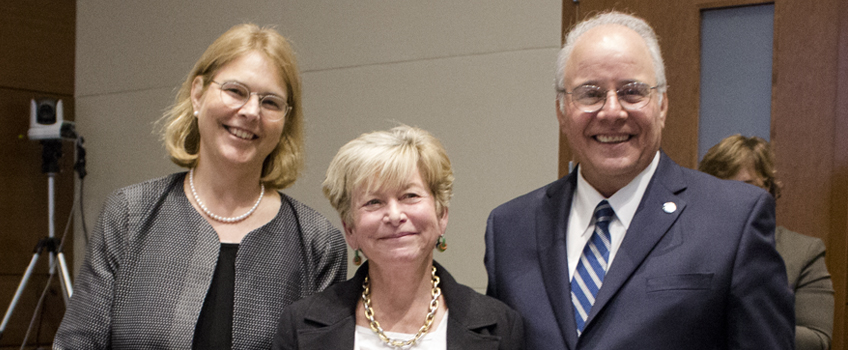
(208, 258)
(392, 190)
(749, 159)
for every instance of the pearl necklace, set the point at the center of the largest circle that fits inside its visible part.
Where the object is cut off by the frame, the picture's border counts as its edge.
(428, 321)
(221, 218)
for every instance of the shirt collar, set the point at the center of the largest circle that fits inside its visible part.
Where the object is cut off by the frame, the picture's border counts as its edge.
(624, 202)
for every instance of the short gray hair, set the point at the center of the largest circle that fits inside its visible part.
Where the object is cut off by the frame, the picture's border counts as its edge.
(636, 24)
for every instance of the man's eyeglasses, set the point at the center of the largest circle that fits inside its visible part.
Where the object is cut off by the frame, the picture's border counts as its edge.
(591, 98)
(236, 95)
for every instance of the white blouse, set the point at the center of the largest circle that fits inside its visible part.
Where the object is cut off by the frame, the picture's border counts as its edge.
(366, 339)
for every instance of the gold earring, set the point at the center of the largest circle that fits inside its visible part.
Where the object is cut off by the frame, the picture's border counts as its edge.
(441, 244)
(357, 260)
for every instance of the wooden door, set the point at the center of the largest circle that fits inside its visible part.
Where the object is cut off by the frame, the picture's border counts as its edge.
(809, 120)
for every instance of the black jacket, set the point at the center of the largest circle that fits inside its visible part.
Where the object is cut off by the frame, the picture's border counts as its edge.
(327, 320)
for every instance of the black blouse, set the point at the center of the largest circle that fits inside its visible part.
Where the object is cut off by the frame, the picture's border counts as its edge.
(214, 328)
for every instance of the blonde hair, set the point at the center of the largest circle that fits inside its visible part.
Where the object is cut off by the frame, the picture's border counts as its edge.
(179, 129)
(388, 158)
(726, 158)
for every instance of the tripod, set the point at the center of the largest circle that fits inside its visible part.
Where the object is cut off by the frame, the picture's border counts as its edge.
(51, 153)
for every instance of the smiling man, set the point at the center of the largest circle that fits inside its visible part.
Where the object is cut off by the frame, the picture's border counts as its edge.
(630, 250)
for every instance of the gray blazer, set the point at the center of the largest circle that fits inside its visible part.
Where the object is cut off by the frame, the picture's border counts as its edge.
(809, 279)
(151, 259)
(327, 320)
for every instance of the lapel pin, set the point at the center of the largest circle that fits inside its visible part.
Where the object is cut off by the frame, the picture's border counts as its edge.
(669, 207)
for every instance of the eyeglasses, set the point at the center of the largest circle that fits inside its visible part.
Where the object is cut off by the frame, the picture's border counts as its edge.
(591, 98)
(236, 95)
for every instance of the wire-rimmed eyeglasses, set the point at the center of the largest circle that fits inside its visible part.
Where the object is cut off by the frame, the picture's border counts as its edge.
(590, 98)
(236, 95)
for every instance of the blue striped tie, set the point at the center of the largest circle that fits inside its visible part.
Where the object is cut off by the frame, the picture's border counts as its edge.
(592, 267)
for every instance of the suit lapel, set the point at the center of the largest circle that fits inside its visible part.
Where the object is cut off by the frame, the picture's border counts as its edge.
(551, 227)
(336, 336)
(650, 224)
(333, 317)
(466, 316)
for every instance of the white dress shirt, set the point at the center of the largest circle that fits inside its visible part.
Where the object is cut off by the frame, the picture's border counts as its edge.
(581, 215)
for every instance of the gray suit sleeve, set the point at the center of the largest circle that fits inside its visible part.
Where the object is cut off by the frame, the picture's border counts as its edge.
(325, 247)
(813, 301)
(87, 321)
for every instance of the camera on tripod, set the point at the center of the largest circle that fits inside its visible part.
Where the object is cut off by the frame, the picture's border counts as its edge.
(47, 121)
(47, 125)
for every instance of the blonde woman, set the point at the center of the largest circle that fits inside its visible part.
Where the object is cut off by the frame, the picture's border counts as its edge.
(392, 190)
(207, 258)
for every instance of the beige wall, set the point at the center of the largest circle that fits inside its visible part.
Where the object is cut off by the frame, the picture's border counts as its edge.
(477, 74)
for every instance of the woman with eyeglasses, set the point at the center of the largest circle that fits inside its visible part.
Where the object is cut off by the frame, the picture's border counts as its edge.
(208, 258)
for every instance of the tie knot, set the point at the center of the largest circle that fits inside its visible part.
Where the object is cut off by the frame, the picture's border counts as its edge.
(603, 212)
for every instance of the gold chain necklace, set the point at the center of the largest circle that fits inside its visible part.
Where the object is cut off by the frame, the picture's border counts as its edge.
(375, 326)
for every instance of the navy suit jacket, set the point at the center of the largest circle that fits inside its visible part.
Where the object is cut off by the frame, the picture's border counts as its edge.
(705, 276)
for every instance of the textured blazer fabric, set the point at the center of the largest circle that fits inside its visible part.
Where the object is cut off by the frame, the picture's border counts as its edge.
(151, 259)
(703, 276)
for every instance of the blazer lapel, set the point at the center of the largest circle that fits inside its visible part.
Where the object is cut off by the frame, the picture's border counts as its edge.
(652, 221)
(465, 316)
(551, 227)
(334, 316)
(336, 336)
(460, 338)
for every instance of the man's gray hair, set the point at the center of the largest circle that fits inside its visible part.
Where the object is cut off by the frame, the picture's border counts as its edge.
(635, 23)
